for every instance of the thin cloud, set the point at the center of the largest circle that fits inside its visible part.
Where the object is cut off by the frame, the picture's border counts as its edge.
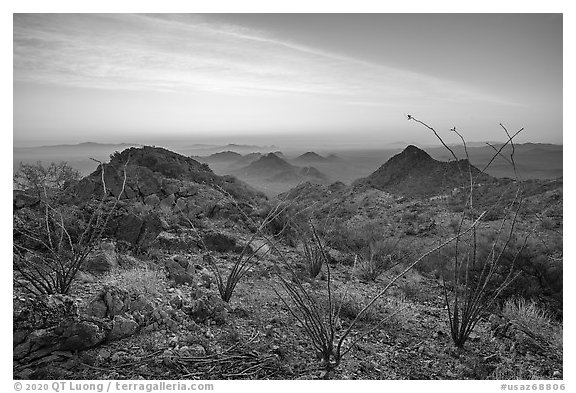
(191, 54)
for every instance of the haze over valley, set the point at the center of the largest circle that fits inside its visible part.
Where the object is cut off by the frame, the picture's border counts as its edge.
(533, 160)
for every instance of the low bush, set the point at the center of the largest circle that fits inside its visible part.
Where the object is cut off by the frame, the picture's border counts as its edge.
(140, 280)
(529, 314)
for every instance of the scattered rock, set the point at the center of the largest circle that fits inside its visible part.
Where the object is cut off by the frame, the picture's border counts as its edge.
(208, 306)
(105, 353)
(474, 337)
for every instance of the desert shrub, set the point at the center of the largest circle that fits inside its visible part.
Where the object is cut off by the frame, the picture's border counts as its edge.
(288, 222)
(410, 286)
(454, 225)
(52, 241)
(378, 257)
(247, 256)
(42, 181)
(140, 280)
(547, 223)
(349, 306)
(319, 315)
(384, 312)
(374, 251)
(542, 272)
(479, 272)
(312, 255)
(528, 314)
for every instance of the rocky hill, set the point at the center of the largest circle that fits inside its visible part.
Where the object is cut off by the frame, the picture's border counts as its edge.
(159, 184)
(274, 169)
(414, 173)
(160, 172)
(267, 166)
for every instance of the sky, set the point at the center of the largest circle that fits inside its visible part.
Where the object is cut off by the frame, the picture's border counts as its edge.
(329, 80)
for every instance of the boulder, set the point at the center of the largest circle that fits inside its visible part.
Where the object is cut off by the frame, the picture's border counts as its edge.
(182, 261)
(97, 308)
(138, 231)
(172, 242)
(151, 228)
(207, 306)
(177, 273)
(128, 228)
(102, 260)
(188, 190)
(122, 327)
(170, 186)
(152, 200)
(143, 180)
(181, 205)
(220, 242)
(83, 335)
(260, 247)
(168, 202)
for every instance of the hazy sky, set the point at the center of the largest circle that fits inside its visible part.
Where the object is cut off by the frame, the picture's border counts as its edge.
(309, 79)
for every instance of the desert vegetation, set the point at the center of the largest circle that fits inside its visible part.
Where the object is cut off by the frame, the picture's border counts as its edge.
(154, 266)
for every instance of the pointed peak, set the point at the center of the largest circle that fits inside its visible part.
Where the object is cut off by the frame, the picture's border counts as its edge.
(413, 149)
(414, 153)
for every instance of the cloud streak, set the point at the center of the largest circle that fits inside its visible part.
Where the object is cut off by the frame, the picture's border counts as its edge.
(192, 54)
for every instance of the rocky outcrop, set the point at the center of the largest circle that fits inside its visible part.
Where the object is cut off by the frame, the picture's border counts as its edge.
(154, 174)
(45, 324)
(113, 301)
(138, 231)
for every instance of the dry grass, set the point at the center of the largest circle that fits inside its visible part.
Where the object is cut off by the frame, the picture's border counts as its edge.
(140, 280)
(531, 316)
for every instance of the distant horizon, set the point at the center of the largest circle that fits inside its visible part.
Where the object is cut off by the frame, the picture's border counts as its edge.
(209, 145)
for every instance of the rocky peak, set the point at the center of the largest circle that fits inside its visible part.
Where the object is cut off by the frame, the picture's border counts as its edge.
(414, 172)
(413, 153)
